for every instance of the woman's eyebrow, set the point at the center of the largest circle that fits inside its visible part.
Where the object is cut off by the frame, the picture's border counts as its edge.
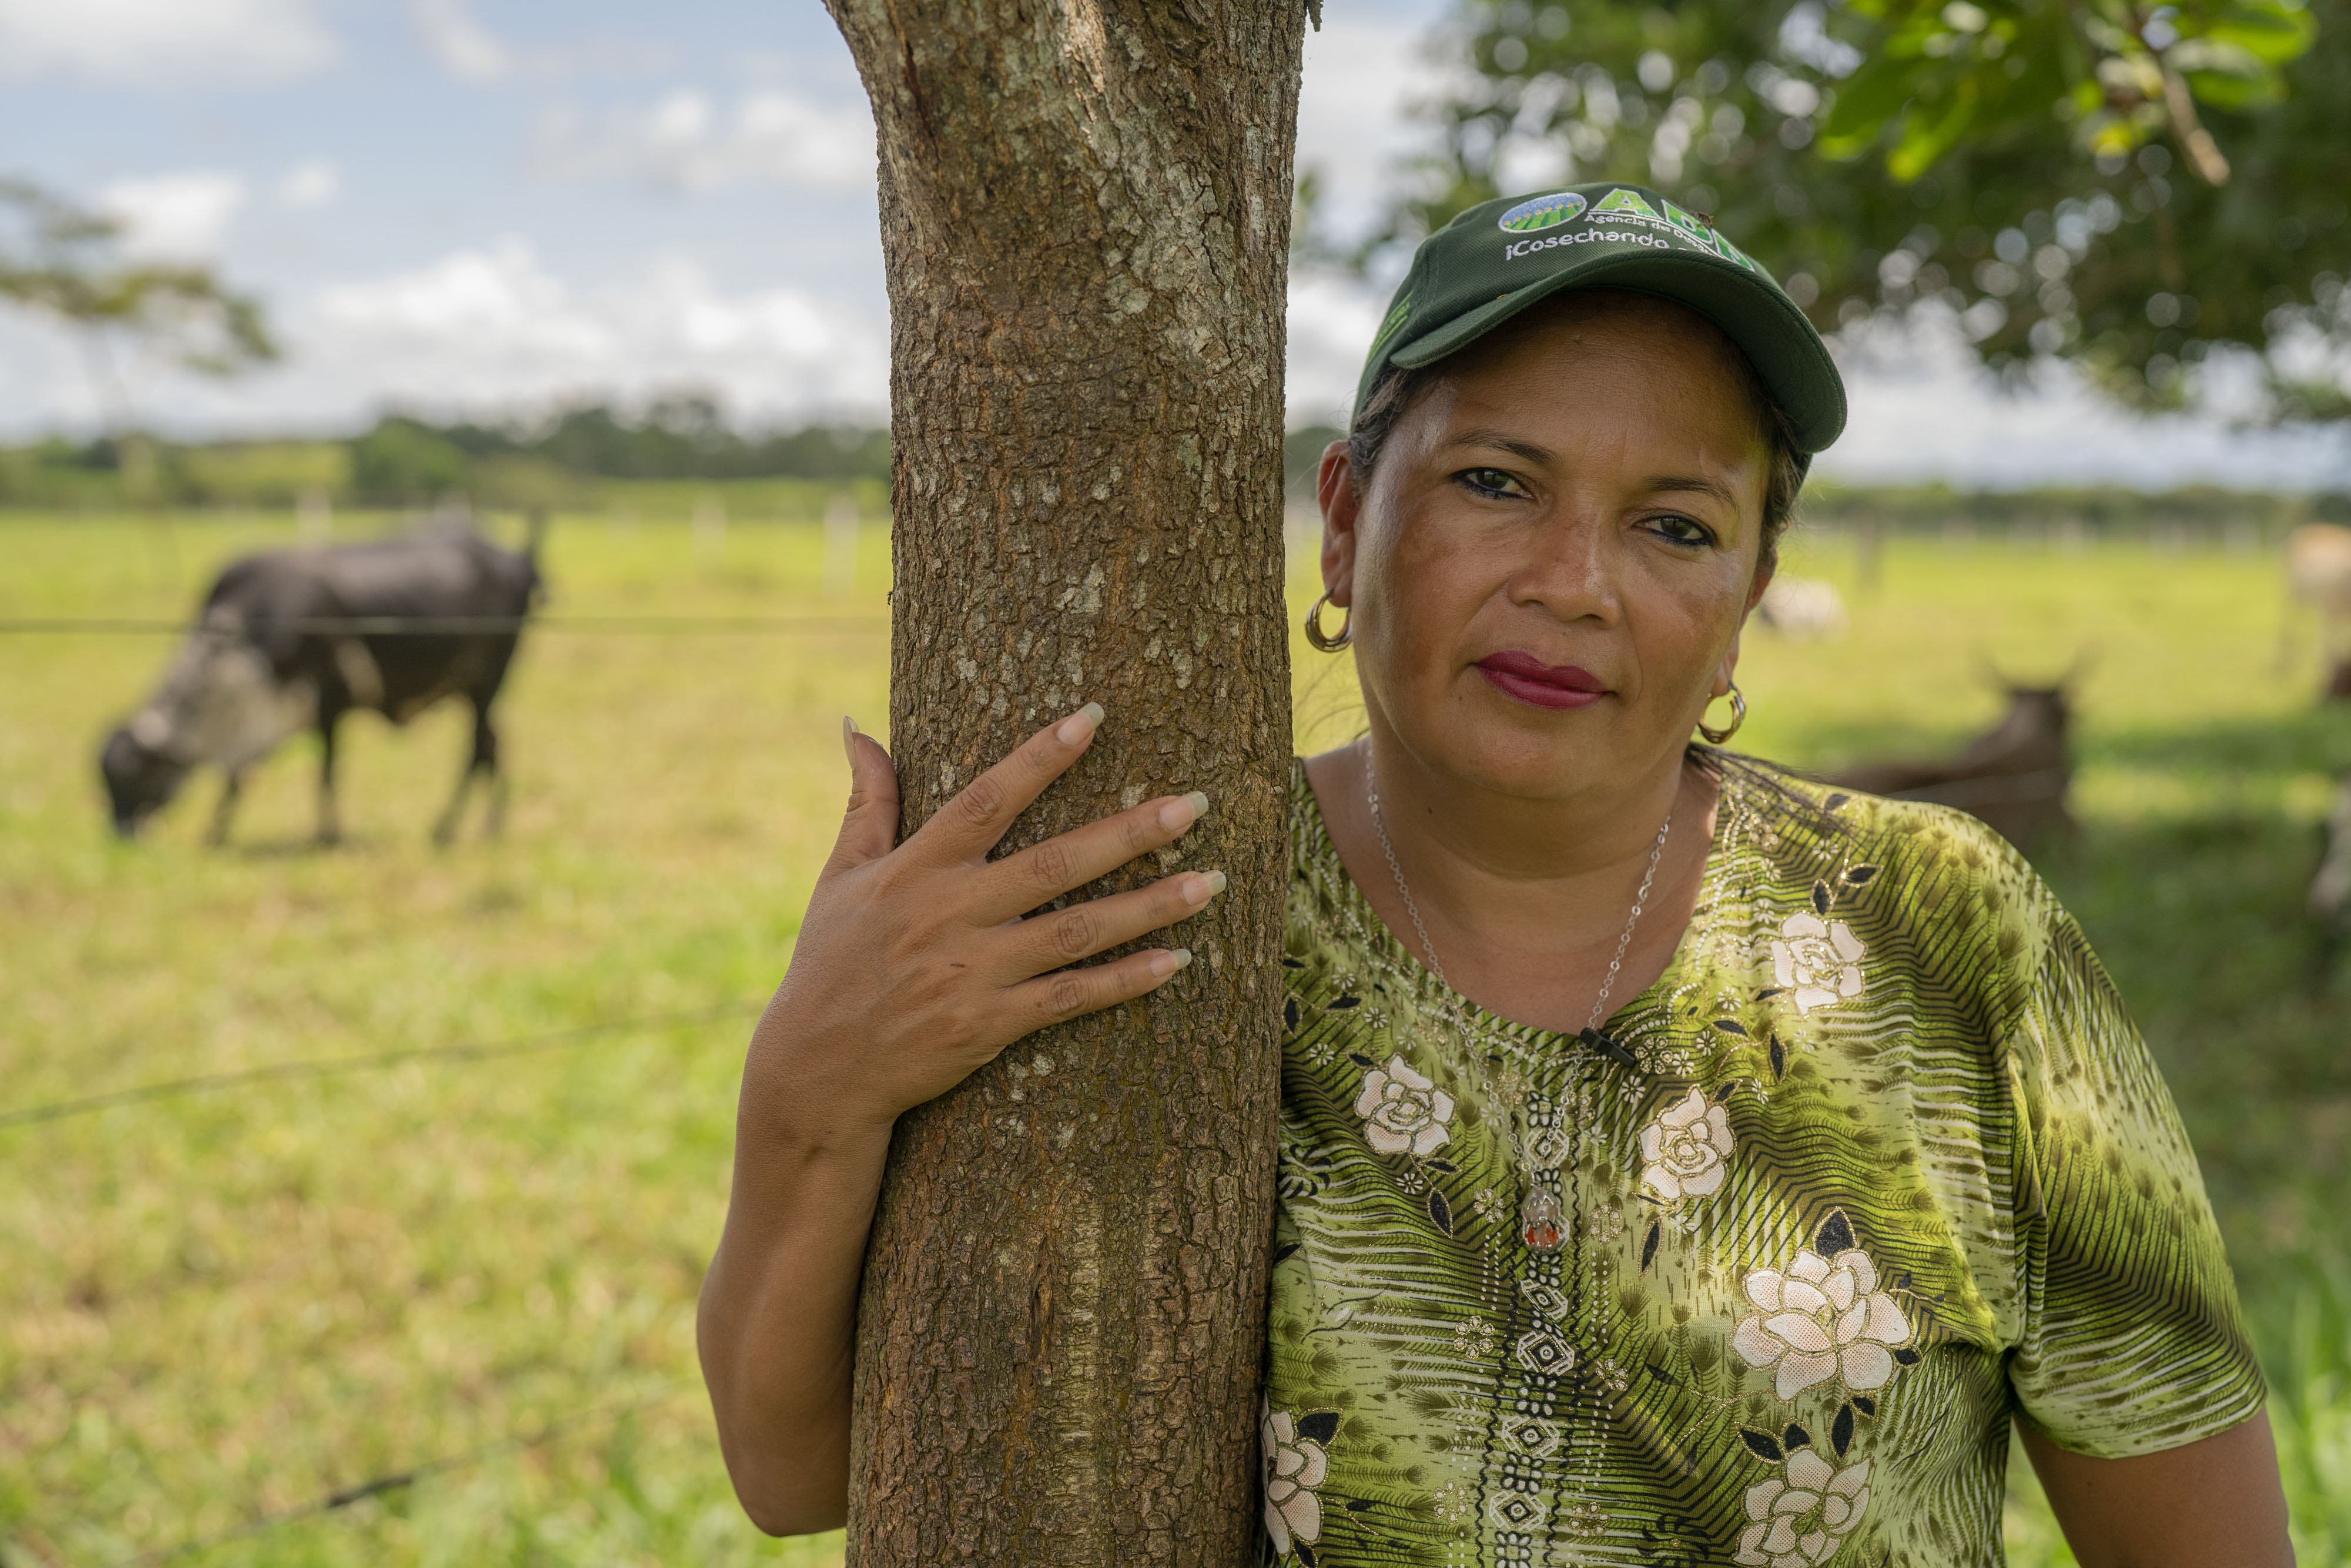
(1509, 443)
(1695, 484)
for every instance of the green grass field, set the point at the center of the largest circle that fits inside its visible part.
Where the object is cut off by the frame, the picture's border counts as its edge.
(221, 1306)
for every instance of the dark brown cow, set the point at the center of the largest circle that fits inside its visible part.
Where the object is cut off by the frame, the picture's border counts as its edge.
(2013, 776)
(296, 639)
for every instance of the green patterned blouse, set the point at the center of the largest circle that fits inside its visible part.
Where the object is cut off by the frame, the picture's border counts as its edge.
(1896, 1166)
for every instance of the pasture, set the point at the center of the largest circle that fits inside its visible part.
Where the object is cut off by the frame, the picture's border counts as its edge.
(230, 1304)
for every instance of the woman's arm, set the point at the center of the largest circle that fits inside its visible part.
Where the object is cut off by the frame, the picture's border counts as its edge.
(2215, 1503)
(913, 967)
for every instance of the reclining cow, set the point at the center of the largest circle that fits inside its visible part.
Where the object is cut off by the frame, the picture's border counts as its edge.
(294, 640)
(2013, 776)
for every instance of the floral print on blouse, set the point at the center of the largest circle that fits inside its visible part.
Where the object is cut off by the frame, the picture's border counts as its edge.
(1896, 1166)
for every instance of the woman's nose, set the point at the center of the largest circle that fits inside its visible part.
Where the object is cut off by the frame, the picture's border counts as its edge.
(1569, 572)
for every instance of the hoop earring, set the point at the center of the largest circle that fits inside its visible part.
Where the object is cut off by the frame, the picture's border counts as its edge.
(1738, 717)
(1327, 642)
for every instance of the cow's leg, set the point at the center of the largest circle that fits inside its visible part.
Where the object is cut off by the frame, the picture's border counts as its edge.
(330, 822)
(446, 831)
(483, 758)
(225, 807)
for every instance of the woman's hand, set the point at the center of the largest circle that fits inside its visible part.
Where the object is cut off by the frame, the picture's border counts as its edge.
(915, 966)
(915, 963)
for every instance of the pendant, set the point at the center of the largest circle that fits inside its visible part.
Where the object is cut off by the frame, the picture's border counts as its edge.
(1542, 1222)
(1612, 1049)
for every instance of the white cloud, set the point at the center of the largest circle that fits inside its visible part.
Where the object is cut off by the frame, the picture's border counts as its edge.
(174, 217)
(177, 43)
(490, 331)
(496, 328)
(686, 143)
(312, 182)
(1922, 409)
(456, 39)
(1363, 74)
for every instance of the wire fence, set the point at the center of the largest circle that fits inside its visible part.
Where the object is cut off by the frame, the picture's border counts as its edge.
(396, 1480)
(274, 1073)
(278, 1072)
(441, 625)
(322, 1067)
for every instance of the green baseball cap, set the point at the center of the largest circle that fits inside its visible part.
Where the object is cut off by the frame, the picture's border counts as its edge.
(1502, 257)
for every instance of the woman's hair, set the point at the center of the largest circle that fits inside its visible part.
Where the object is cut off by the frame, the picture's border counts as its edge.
(1398, 388)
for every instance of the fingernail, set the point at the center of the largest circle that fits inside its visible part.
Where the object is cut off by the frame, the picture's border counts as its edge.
(1166, 964)
(849, 738)
(1182, 812)
(1204, 886)
(1078, 725)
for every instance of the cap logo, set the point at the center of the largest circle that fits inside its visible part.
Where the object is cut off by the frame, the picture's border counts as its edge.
(1542, 212)
(1696, 228)
(1621, 200)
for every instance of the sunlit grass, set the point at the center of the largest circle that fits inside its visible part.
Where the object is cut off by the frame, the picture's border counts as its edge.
(226, 1304)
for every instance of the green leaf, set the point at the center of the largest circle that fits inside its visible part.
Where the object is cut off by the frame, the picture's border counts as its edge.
(1866, 99)
(2270, 33)
(1923, 145)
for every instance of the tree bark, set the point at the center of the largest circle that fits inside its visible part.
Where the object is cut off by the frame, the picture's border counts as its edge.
(1085, 215)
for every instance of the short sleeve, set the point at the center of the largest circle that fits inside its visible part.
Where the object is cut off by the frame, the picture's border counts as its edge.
(2132, 1341)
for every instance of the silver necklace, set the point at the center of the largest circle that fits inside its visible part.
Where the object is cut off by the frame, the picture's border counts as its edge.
(1541, 1217)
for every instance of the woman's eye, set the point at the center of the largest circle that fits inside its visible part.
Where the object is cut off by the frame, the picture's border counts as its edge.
(1683, 530)
(1490, 482)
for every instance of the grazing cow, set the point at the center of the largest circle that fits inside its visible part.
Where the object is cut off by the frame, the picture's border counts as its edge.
(2013, 776)
(1801, 609)
(2318, 577)
(294, 638)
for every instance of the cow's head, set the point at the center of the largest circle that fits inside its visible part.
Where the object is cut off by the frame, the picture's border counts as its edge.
(142, 769)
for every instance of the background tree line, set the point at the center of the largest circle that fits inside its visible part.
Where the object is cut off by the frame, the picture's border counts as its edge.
(406, 460)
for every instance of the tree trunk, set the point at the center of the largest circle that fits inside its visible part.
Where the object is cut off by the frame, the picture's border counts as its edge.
(1085, 214)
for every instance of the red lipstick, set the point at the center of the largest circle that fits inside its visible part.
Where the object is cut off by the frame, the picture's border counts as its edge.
(1559, 687)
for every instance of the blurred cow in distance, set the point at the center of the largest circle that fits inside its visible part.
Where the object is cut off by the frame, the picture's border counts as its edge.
(1801, 609)
(2014, 776)
(293, 640)
(2330, 890)
(2318, 577)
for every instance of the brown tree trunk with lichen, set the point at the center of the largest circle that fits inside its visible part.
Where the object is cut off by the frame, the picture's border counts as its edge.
(1085, 214)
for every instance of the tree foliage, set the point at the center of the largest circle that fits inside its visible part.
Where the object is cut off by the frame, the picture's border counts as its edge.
(65, 262)
(2130, 187)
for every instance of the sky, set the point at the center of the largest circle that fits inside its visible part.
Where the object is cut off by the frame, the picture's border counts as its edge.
(485, 205)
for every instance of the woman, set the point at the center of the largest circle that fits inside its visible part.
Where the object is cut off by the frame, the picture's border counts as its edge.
(1680, 1162)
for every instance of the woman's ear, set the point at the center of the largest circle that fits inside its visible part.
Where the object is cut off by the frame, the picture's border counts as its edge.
(1728, 667)
(1334, 488)
(1764, 571)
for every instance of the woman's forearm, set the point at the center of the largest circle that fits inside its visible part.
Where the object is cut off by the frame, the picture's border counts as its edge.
(777, 1324)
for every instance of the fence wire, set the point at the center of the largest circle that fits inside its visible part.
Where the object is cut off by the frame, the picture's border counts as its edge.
(323, 1067)
(377, 1486)
(441, 625)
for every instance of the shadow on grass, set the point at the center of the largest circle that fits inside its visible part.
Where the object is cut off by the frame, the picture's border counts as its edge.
(2310, 740)
(2199, 915)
